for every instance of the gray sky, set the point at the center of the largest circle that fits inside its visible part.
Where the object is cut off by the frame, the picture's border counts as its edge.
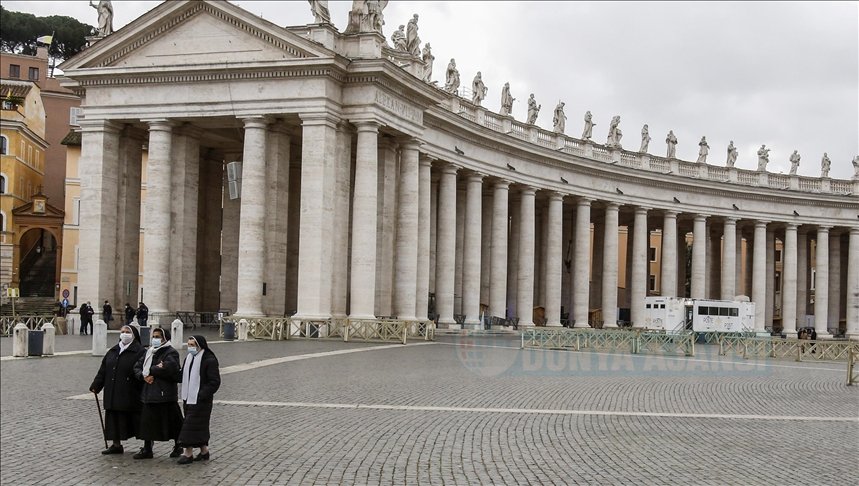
(775, 73)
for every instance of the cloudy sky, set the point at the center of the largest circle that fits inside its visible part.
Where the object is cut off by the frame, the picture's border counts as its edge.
(775, 73)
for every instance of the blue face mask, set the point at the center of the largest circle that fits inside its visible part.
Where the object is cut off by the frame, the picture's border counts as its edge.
(156, 342)
(193, 351)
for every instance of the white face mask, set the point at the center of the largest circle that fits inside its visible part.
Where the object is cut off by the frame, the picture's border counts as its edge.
(156, 342)
(192, 350)
(126, 337)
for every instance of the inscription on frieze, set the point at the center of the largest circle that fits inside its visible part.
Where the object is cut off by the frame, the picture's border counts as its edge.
(399, 107)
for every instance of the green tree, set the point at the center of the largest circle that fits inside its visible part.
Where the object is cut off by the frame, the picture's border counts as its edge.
(19, 31)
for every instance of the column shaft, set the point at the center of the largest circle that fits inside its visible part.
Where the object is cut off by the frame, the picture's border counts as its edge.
(156, 255)
(364, 213)
(609, 273)
(640, 263)
(553, 259)
(446, 246)
(252, 225)
(423, 273)
(669, 255)
(498, 251)
(852, 289)
(340, 263)
(525, 274)
(759, 274)
(471, 255)
(405, 279)
(277, 222)
(128, 220)
(699, 257)
(581, 269)
(802, 277)
(729, 259)
(821, 283)
(834, 314)
(788, 287)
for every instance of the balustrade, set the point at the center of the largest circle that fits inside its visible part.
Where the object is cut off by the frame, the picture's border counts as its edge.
(689, 169)
(779, 181)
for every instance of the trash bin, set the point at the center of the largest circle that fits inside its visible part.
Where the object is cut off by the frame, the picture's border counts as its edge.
(145, 335)
(229, 331)
(35, 343)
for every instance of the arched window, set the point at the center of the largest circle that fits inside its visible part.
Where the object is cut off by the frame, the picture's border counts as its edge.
(4, 145)
(2, 184)
(2, 222)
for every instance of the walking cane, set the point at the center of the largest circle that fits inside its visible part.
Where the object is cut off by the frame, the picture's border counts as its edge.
(101, 419)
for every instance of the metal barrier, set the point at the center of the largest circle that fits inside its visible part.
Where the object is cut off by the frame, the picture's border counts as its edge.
(789, 348)
(852, 358)
(34, 323)
(284, 328)
(635, 341)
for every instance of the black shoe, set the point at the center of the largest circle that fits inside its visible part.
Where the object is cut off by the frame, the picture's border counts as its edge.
(185, 460)
(202, 457)
(176, 452)
(113, 449)
(143, 454)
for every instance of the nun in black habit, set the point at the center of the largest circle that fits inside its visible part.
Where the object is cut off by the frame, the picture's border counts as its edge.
(201, 378)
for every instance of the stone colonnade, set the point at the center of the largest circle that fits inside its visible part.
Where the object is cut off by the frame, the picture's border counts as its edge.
(380, 222)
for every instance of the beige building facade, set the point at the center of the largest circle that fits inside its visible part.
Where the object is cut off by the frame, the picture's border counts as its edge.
(366, 192)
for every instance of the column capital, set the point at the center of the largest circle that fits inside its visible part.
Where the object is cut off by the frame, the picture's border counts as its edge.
(642, 209)
(411, 144)
(367, 125)
(555, 196)
(425, 159)
(528, 190)
(502, 184)
(701, 217)
(612, 206)
(475, 177)
(670, 214)
(731, 220)
(158, 124)
(791, 226)
(761, 224)
(450, 169)
(584, 201)
(100, 126)
(823, 228)
(854, 231)
(257, 121)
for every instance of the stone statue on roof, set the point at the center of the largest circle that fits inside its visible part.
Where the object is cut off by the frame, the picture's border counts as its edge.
(763, 158)
(533, 110)
(478, 89)
(398, 39)
(732, 155)
(451, 84)
(506, 100)
(105, 17)
(703, 151)
(589, 126)
(614, 133)
(825, 165)
(319, 9)
(671, 141)
(413, 42)
(794, 162)
(645, 139)
(559, 120)
(366, 16)
(856, 168)
(428, 59)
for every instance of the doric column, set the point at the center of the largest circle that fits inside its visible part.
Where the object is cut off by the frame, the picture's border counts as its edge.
(788, 287)
(498, 251)
(128, 218)
(759, 275)
(252, 226)
(423, 272)
(553, 259)
(640, 263)
(669, 255)
(729, 259)
(406, 277)
(801, 275)
(446, 246)
(821, 283)
(853, 285)
(525, 274)
(340, 264)
(770, 273)
(609, 273)
(386, 224)
(318, 153)
(714, 263)
(156, 237)
(485, 250)
(834, 314)
(229, 250)
(277, 222)
(513, 257)
(185, 162)
(434, 176)
(699, 257)
(364, 213)
(471, 253)
(581, 269)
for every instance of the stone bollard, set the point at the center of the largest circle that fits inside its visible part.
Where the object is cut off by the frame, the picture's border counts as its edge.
(99, 338)
(48, 344)
(21, 340)
(61, 326)
(177, 330)
(243, 330)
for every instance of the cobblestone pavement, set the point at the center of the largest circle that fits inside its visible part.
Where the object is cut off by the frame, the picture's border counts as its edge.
(458, 411)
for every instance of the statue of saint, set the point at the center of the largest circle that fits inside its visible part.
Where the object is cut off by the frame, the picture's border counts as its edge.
(856, 168)
(645, 139)
(428, 59)
(319, 9)
(105, 17)
(506, 100)
(398, 38)
(703, 151)
(366, 16)
(412, 40)
(825, 164)
(614, 133)
(794, 162)
(559, 120)
(533, 110)
(671, 140)
(732, 155)
(763, 158)
(451, 84)
(589, 126)
(478, 89)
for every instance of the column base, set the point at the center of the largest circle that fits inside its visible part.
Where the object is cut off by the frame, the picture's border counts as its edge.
(472, 326)
(553, 324)
(448, 325)
(853, 336)
(790, 335)
(359, 317)
(581, 326)
(610, 325)
(762, 334)
(525, 324)
(308, 317)
(824, 335)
